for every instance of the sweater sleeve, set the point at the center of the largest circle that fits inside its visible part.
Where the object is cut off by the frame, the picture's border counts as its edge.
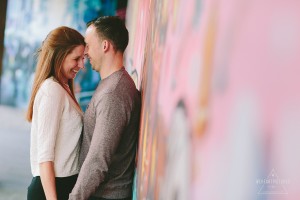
(50, 111)
(110, 123)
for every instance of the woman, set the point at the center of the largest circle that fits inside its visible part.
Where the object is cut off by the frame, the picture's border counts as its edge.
(56, 116)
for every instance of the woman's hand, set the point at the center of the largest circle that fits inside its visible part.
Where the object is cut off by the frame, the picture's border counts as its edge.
(48, 179)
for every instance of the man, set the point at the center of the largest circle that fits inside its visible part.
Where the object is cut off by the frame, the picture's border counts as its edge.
(111, 121)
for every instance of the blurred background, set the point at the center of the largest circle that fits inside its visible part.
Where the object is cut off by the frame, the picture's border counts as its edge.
(220, 89)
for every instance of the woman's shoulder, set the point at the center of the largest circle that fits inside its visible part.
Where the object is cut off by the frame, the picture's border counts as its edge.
(51, 87)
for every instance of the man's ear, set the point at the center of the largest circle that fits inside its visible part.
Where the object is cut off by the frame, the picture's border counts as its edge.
(105, 45)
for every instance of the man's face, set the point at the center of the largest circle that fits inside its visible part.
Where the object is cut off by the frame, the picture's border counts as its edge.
(93, 49)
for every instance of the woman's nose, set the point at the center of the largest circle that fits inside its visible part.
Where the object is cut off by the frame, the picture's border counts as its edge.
(81, 64)
(85, 51)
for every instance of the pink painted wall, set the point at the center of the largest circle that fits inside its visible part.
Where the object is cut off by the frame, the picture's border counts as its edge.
(221, 98)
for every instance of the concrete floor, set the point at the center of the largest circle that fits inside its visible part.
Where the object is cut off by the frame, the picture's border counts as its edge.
(15, 174)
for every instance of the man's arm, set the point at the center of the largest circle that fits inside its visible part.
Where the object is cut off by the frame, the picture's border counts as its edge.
(110, 123)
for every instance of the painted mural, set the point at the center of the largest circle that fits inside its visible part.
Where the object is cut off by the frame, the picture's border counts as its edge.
(221, 98)
(27, 24)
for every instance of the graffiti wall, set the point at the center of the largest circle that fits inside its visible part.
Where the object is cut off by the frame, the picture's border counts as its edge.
(28, 23)
(221, 98)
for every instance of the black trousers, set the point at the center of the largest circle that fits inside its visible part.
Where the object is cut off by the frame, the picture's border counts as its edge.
(64, 187)
(99, 198)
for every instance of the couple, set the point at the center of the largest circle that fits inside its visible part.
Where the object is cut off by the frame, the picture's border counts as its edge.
(67, 160)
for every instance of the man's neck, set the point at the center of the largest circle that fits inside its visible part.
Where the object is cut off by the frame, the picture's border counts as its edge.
(113, 63)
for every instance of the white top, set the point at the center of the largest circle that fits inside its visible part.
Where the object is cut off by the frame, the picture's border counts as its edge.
(55, 130)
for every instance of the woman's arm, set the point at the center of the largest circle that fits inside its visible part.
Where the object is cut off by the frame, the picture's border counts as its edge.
(50, 110)
(48, 179)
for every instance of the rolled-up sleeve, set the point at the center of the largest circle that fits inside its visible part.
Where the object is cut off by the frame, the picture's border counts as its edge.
(49, 116)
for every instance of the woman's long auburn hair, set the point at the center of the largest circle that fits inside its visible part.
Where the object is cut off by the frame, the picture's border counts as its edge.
(50, 56)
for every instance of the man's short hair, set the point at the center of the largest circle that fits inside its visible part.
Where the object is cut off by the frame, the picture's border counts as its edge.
(113, 29)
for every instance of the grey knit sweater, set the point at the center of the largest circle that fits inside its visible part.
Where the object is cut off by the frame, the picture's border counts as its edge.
(111, 126)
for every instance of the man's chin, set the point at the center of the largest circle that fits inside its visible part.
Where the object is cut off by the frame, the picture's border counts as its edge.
(95, 68)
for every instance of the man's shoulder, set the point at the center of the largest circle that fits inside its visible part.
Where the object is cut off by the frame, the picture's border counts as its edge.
(126, 83)
(119, 83)
(117, 89)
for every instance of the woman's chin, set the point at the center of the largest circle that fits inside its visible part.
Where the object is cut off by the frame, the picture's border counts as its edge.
(73, 75)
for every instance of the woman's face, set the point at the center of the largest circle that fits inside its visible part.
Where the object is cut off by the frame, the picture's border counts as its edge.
(73, 62)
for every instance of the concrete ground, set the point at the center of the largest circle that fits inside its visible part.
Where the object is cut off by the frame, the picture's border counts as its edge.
(15, 174)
